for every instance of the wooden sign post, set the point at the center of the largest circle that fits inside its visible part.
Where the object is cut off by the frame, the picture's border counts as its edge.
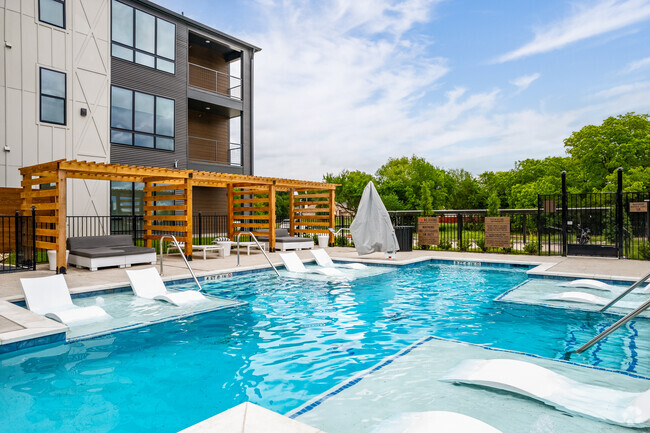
(428, 231)
(497, 232)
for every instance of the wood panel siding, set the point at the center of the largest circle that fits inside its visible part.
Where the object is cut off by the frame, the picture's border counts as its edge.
(208, 200)
(10, 200)
(209, 136)
(208, 70)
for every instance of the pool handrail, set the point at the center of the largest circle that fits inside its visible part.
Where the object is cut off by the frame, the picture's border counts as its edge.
(622, 321)
(268, 259)
(626, 292)
(182, 255)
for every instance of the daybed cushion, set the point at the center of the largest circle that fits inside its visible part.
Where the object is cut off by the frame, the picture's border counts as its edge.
(105, 246)
(282, 235)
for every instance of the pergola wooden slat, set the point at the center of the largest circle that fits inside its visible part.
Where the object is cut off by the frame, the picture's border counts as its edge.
(251, 201)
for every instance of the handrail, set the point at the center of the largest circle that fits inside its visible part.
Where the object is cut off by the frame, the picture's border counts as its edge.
(622, 321)
(182, 255)
(268, 259)
(619, 297)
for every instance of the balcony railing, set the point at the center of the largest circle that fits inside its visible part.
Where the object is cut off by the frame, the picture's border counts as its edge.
(214, 151)
(214, 81)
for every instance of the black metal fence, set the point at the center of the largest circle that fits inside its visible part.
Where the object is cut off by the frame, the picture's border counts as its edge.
(18, 243)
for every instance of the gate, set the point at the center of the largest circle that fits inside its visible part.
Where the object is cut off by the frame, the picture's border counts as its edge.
(615, 224)
(17, 243)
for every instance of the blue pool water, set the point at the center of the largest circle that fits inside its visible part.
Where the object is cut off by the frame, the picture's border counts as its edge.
(292, 341)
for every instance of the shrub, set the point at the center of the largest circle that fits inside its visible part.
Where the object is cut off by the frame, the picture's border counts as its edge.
(464, 246)
(644, 250)
(481, 244)
(444, 245)
(531, 248)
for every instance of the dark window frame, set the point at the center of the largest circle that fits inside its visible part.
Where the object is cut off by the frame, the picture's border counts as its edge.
(40, 96)
(135, 50)
(134, 131)
(47, 22)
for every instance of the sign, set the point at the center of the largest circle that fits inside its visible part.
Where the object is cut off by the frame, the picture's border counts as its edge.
(428, 231)
(497, 232)
(549, 206)
(639, 206)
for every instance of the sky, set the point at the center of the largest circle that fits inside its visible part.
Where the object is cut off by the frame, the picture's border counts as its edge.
(471, 84)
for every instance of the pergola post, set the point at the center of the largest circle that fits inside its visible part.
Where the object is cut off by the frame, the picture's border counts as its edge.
(292, 212)
(272, 217)
(332, 219)
(148, 213)
(61, 212)
(231, 213)
(188, 217)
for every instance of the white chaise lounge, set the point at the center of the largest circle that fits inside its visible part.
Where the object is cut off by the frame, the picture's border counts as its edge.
(292, 263)
(50, 297)
(323, 259)
(438, 421)
(629, 409)
(591, 284)
(146, 283)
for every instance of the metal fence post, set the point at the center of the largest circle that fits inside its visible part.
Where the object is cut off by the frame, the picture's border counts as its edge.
(459, 230)
(619, 213)
(33, 238)
(17, 237)
(200, 224)
(565, 211)
(539, 224)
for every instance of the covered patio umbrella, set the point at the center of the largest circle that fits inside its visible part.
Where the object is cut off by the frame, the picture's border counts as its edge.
(371, 229)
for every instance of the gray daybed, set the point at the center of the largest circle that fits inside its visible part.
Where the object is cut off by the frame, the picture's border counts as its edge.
(101, 251)
(284, 242)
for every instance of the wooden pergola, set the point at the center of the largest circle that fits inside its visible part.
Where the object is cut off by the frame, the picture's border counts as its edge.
(251, 201)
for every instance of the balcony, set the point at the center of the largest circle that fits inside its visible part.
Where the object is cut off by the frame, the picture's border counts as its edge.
(214, 151)
(213, 81)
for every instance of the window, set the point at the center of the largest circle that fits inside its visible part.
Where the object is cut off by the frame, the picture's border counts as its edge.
(127, 198)
(52, 12)
(142, 120)
(52, 96)
(142, 38)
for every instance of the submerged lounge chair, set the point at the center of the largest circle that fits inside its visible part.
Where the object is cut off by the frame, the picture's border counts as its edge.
(323, 259)
(293, 264)
(629, 409)
(438, 421)
(590, 284)
(588, 298)
(50, 297)
(146, 283)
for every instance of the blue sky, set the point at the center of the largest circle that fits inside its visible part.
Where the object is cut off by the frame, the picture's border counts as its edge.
(473, 84)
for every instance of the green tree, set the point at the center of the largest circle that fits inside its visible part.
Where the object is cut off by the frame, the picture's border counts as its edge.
(350, 189)
(597, 151)
(493, 205)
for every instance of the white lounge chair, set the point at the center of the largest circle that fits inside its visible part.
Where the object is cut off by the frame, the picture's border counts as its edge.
(292, 263)
(630, 409)
(50, 297)
(433, 421)
(323, 259)
(146, 283)
(591, 284)
(588, 298)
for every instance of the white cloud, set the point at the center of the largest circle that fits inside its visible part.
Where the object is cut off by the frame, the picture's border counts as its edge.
(585, 22)
(524, 81)
(639, 64)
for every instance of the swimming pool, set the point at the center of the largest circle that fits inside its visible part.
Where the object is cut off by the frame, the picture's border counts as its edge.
(293, 340)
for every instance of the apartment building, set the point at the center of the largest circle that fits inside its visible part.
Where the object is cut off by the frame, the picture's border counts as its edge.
(127, 82)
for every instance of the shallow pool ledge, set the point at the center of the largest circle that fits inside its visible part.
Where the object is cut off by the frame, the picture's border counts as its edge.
(21, 328)
(250, 418)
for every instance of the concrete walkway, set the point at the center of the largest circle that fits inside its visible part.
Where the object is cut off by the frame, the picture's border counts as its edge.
(82, 280)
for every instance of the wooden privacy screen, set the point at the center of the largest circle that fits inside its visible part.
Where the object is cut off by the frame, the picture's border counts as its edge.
(168, 211)
(252, 209)
(311, 211)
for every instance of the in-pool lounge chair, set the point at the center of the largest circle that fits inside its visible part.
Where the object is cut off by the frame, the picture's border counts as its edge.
(146, 283)
(629, 409)
(438, 421)
(292, 263)
(323, 259)
(50, 297)
(591, 284)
